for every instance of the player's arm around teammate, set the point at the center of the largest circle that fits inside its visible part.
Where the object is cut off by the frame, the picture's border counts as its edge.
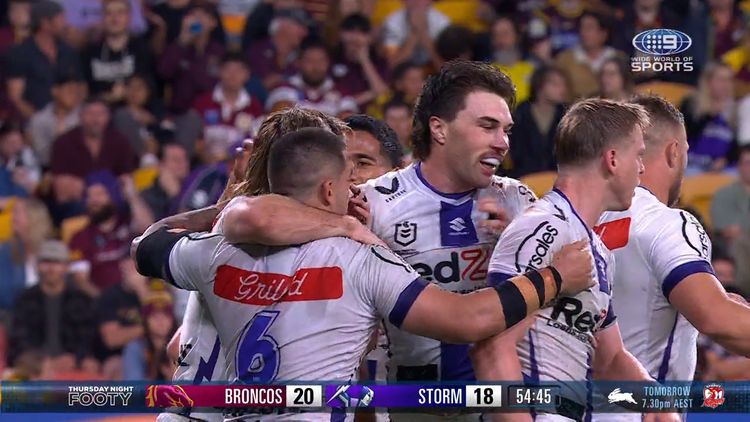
(435, 312)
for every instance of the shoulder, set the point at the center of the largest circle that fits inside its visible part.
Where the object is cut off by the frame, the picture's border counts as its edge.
(529, 241)
(514, 187)
(388, 187)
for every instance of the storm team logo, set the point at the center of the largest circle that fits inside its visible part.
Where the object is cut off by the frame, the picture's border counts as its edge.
(346, 396)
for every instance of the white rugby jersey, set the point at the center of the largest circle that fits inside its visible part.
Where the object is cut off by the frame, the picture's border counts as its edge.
(301, 313)
(438, 235)
(559, 344)
(655, 248)
(201, 354)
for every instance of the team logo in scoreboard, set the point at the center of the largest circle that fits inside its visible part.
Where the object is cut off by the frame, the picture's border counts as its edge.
(617, 396)
(348, 396)
(713, 396)
(167, 396)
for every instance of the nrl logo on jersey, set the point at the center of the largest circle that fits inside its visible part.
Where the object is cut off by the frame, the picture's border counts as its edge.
(405, 233)
(393, 191)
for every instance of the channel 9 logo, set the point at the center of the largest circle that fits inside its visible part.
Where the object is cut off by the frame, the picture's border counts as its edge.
(662, 42)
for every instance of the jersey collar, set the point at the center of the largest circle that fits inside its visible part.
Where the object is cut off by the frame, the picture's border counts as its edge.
(420, 176)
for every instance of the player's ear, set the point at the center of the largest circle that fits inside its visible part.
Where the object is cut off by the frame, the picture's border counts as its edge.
(672, 153)
(610, 160)
(326, 192)
(437, 130)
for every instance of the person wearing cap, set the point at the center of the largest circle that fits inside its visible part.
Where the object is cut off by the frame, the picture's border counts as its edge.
(113, 214)
(53, 316)
(32, 66)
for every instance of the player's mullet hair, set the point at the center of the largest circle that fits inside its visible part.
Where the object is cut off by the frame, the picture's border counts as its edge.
(275, 126)
(592, 126)
(300, 160)
(661, 113)
(444, 95)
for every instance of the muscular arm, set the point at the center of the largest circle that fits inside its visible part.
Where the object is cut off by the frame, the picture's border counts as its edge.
(279, 220)
(475, 316)
(612, 361)
(703, 301)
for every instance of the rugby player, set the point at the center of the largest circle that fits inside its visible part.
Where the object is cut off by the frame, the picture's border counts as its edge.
(434, 213)
(201, 358)
(599, 146)
(277, 287)
(665, 288)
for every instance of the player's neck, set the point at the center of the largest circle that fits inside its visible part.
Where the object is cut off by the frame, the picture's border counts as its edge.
(434, 172)
(585, 194)
(658, 186)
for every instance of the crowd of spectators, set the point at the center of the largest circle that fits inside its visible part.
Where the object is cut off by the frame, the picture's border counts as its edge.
(116, 113)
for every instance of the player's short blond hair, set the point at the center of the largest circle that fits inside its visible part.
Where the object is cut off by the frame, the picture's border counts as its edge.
(592, 126)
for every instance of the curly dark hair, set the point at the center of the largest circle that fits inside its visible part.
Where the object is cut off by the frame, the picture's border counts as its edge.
(444, 95)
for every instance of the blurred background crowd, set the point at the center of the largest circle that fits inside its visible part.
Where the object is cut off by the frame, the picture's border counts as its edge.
(116, 113)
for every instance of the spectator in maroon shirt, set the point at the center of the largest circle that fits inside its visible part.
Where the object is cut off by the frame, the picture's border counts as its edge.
(114, 215)
(92, 146)
(354, 64)
(274, 58)
(229, 112)
(313, 86)
(727, 24)
(191, 62)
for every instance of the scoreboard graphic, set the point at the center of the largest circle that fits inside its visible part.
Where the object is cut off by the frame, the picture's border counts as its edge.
(330, 397)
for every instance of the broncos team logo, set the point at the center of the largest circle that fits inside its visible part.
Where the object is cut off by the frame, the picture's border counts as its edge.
(168, 396)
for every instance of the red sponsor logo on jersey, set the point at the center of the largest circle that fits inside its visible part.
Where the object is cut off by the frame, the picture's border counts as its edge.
(263, 289)
(614, 233)
(713, 396)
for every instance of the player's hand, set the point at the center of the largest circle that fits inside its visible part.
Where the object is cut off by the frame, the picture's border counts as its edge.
(358, 206)
(575, 264)
(498, 219)
(357, 231)
(662, 417)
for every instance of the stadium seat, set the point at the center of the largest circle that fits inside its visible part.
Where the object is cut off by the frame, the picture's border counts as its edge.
(6, 218)
(697, 192)
(144, 177)
(541, 182)
(70, 226)
(673, 92)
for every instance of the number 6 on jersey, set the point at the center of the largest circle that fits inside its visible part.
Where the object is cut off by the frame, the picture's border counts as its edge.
(257, 358)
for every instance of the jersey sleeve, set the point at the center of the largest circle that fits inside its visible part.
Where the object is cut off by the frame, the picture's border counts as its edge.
(181, 258)
(676, 246)
(528, 243)
(388, 283)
